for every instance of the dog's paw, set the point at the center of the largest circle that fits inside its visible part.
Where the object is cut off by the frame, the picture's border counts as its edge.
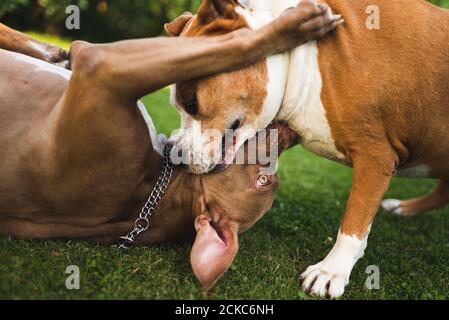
(394, 206)
(320, 280)
(57, 56)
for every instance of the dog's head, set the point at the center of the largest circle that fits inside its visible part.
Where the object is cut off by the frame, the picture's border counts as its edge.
(232, 201)
(245, 101)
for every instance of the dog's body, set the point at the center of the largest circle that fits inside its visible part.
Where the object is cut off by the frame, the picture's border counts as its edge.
(76, 157)
(377, 100)
(353, 90)
(90, 179)
(45, 194)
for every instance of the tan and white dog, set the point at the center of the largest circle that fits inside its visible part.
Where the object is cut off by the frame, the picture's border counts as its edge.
(373, 99)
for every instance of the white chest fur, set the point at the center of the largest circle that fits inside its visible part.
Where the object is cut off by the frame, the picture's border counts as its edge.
(302, 106)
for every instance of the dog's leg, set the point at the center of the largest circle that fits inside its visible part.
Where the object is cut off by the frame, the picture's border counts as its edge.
(371, 179)
(436, 199)
(18, 42)
(110, 78)
(138, 67)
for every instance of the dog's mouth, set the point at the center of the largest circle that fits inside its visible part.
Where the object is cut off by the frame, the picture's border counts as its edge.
(228, 147)
(227, 156)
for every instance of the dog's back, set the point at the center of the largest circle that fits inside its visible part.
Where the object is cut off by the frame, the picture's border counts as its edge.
(388, 77)
(29, 90)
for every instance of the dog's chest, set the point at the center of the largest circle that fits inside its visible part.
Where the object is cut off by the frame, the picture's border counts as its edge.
(302, 107)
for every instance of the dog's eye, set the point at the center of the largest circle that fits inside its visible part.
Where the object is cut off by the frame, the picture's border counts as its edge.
(191, 107)
(263, 180)
(235, 125)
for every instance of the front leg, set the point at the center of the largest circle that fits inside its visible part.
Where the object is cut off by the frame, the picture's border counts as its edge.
(371, 179)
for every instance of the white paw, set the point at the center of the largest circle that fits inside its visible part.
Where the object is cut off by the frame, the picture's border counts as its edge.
(393, 206)
(320, 280)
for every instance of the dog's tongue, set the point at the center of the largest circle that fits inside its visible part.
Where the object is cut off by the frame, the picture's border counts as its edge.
(211, 255)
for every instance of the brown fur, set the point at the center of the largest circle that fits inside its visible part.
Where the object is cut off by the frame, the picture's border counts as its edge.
(386, 74)
(90, 192)
(371, 79)
(216, 17)
(77, 160)
(19, 42)
(242, 92)
(210, 21)
(386, 99)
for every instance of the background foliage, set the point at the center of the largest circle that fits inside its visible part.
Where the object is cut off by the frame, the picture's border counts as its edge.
(101, 20)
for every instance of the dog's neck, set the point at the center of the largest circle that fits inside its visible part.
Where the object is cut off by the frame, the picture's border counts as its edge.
(295, 84)
(282, 86)
(173, 219)
(174, 215)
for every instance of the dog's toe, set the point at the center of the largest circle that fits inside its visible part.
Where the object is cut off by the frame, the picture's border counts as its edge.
(320, 282)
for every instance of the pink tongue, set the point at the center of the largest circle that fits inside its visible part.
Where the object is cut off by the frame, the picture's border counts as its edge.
(210, 256)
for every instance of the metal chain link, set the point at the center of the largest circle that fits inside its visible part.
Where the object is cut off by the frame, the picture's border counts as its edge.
(143, 222)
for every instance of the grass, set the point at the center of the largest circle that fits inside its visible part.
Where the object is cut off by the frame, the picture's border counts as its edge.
(299, 230)
(62, 42)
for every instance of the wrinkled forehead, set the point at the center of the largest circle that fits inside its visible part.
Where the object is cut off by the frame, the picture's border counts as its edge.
(225, 97)
(211, 20)
(229, 92)
(208, 23)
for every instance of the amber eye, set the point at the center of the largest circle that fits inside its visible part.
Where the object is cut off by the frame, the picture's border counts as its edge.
(263, 180)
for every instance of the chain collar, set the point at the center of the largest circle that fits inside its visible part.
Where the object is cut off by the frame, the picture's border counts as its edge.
(143, 222)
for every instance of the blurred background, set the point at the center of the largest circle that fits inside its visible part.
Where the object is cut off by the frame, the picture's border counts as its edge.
(101, 20)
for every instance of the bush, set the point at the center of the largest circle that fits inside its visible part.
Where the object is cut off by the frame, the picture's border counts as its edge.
(101, 20)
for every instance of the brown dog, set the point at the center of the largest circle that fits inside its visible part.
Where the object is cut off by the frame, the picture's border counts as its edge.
(77, 162)
(374, 99)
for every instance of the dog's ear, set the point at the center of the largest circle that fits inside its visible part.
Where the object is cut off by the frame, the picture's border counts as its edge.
(175, 28)
(210, 10)
(214, 250)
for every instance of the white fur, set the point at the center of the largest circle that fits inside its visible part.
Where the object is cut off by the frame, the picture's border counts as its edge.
(293, 95)
(330, 276)
(189, 138)
(302, 107)
(158, 141)
(420, 171)
(41, 66)
(277, 67)
(297, 78)
(393, 206)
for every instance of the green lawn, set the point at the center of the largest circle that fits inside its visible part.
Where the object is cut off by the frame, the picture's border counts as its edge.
(412, 254)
